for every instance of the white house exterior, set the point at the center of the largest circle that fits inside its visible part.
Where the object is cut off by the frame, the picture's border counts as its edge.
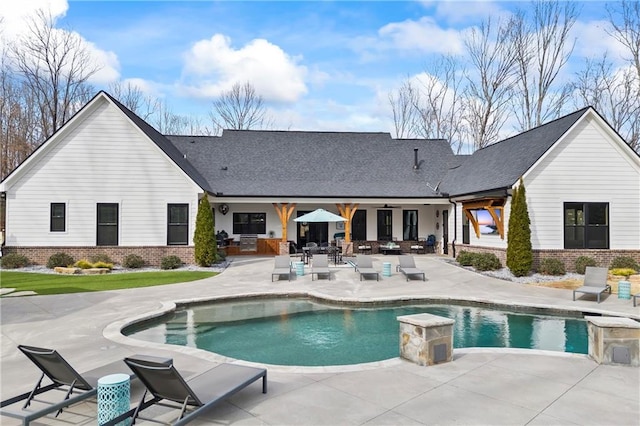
(107, 182)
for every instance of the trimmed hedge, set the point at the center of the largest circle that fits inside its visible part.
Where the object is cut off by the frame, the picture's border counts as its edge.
(60, 259)
(551, 266)
(170, 262)
(486, 262)
(133, 261)
(582, 262)
(14, 260)
(624, 262)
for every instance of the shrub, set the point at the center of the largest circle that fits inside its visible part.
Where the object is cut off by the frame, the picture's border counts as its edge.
(83, 264)
(170, 262)
(486, 262)
(221, 255)
(102, 265)
(204, 237)
(133, 261)
(621, 262)
(465, 258)
(100, 257)
(59, 259)
(14, 260)
(623, 272)
(582, 262)
(551, 266)
(519, 252)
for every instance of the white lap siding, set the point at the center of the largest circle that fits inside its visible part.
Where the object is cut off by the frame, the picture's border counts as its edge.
(585, 166)
(104, 158)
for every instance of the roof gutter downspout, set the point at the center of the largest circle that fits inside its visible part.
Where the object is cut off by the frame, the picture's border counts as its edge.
(455, 227)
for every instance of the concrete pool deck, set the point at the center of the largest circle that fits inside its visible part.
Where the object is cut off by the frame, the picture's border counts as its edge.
(481, 386)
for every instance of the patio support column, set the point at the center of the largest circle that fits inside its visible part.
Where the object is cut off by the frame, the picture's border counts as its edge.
(284, 211)
(347, 211)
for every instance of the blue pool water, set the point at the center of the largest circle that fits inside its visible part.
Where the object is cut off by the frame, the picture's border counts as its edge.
(305, 333)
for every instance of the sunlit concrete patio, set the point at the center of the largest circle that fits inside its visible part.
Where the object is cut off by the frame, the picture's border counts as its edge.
(481, 386)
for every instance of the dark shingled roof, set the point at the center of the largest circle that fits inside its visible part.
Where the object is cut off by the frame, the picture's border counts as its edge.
(500, 165)
(252, 163)
(165, 145)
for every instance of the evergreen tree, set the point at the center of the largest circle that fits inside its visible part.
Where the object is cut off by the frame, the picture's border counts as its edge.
(519, 253)
(204, 236)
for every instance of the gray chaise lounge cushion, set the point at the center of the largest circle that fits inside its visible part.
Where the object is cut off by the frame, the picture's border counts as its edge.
(407, 266)
(364, 266)
(595, 282)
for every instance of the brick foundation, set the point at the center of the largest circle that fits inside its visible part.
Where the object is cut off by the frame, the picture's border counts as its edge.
(568, 257)
(152, 255)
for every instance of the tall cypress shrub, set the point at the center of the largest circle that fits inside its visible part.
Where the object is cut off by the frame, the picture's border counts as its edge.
(204, 236)
(519, 253)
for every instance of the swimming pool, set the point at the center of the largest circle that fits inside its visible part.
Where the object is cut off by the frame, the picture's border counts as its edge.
(308, 333)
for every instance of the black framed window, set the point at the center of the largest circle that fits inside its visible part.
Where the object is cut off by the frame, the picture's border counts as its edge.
(465, 230)
(107, 224)
(385, 227)
(177, 224)
(410, 225)
(359, 226)
(58, 218)
(249, 223)
(586, 225)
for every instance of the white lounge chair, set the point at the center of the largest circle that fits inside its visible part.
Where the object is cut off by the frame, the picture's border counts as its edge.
(320, 266)
(364, 266)
(407, 266)
(595, 282)
(282, 267)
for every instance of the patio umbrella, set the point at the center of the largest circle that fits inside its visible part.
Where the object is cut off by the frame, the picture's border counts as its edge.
(320, 215)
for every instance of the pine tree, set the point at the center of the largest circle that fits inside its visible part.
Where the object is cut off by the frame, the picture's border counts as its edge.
(204, 236)
(519, 253)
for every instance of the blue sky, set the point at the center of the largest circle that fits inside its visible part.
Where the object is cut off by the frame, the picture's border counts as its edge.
(318, 65)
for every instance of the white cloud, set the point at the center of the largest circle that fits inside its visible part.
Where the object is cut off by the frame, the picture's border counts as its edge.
(13, 13)
(592, 41)
(422, 36)
(16, 14)
(212, 66)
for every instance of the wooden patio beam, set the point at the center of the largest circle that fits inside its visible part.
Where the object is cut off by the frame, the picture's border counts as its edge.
(284, 211)
(347, 211)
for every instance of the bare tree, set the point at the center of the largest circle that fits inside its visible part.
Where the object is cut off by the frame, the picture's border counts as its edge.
(403, 110)
(239, 108)
(626, 28)
(613, 94)
(489, 88)
(542, 48)
(439, 106)
(55, 66)
(131, 96)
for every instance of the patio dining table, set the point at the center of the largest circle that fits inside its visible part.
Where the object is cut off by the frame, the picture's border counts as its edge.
(335, 253)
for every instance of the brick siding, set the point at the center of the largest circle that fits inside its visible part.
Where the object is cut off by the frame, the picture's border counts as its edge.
(568, 257)
(152, 255)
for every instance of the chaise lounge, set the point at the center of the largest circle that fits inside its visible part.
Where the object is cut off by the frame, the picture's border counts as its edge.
(282, 267)
(595, 282)
(364, 266)
(75, 386)
(407, 266)
(320, 266)
(192, 396)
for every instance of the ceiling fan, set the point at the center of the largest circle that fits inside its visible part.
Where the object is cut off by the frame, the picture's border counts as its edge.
(388, 206)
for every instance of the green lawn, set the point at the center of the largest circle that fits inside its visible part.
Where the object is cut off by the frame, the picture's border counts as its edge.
(63, 284)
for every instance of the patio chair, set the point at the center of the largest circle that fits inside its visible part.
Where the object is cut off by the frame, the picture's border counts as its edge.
(294, 251)
(192, 396)
(595, 282)
(76, 387)
(430, 244)
(420, 247)
(320, 266)
(407, 266)
(364, 266)
(282, 267)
